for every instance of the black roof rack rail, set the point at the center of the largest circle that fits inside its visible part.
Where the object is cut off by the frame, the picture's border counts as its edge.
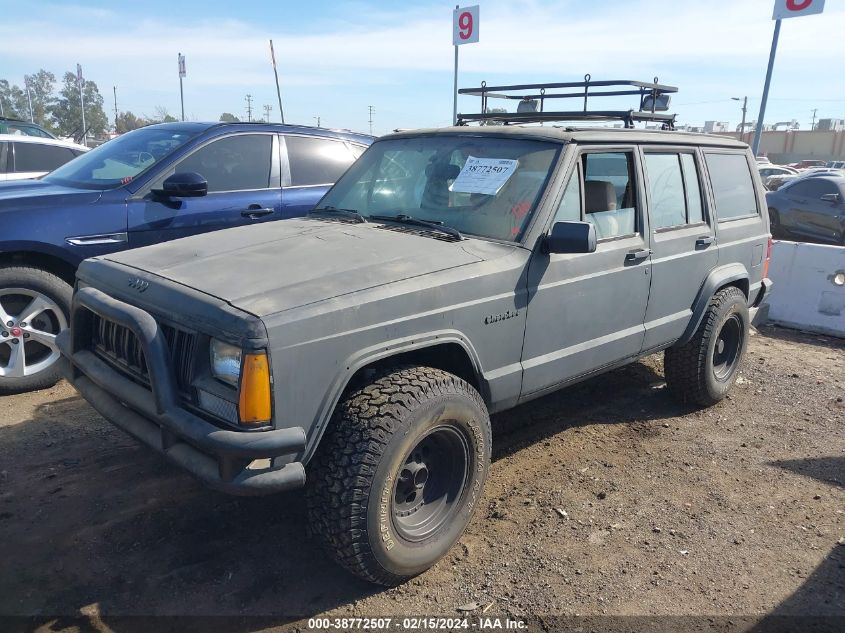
(535, 96)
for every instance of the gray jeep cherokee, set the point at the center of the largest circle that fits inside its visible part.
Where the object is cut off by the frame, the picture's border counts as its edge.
(448, 275)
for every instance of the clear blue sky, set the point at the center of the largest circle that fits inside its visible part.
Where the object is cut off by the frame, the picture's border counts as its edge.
(338, 57)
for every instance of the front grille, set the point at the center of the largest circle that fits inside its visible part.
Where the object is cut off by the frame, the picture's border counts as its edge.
(121, 348)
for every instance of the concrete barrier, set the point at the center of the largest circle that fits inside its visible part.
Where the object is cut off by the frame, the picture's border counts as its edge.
(809, 287)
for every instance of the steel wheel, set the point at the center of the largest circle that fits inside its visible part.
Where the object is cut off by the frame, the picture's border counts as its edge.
(29, 323)
(429, 483)
(728, 345)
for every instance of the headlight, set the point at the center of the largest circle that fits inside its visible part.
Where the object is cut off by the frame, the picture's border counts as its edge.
(225, 362)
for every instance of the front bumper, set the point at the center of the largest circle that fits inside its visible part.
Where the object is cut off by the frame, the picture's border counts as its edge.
(237, 462)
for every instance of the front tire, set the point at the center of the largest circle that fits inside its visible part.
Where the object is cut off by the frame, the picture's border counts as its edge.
(34, 308)
(703, 370)
(396, 478)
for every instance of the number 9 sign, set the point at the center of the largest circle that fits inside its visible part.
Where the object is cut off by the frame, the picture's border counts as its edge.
(796, 8)
(465, 25)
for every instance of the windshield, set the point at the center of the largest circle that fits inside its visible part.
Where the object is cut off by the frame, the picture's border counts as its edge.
(119, 161)
(484, 186)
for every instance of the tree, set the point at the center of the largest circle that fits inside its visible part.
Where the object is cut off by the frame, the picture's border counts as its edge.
(162, 116)
(67, 114)
(126, 122)
(13, 100)
(41, 87)
(228, 117)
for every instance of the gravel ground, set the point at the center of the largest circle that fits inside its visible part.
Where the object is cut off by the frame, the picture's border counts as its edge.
(604, 499)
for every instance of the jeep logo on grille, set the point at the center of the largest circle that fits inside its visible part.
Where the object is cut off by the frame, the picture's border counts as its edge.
(138, 284)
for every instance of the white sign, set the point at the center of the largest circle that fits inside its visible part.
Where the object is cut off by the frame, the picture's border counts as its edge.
(484, 175)
(465, 26)
(796, 8)
(181, 65)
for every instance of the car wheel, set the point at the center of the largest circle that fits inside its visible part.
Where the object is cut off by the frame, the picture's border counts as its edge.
(703, 370)
(400, 471)
(34, 308)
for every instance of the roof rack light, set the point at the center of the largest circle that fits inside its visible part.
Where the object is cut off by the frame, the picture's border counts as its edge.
(654, 101)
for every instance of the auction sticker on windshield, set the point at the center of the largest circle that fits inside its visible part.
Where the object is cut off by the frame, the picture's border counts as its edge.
(484, 175)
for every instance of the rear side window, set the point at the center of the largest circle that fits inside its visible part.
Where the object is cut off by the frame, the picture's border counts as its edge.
(733, 189)
(36, 157)
(317, 161)
(666, 190)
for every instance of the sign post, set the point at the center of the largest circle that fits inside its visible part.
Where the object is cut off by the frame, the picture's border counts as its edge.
(278, 91)
(81, 82)
(182, 74)
(783, 9)
(464, 31)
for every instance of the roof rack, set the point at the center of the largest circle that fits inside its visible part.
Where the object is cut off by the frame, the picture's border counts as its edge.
(531, 107)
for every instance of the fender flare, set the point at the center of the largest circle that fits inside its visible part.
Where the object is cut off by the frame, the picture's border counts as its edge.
(368, 356)
(717, 278)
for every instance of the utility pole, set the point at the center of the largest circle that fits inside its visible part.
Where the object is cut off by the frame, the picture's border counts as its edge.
(813, 126)
(744, 109)
(248, 100)
(278, 90)
(81, 83)
(115, 108)
(371, 119)
(267, 108)
(318, 120)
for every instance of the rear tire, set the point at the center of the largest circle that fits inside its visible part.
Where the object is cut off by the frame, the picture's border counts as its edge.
(703, 370)
(398, 474)
(42, 297)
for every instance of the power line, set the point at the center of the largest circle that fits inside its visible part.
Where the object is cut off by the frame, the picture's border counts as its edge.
(371, 119)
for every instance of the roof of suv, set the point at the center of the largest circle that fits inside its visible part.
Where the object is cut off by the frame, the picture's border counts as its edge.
(582, 135)
(202, 126)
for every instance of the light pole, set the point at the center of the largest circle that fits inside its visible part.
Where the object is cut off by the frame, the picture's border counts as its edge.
(744, 109)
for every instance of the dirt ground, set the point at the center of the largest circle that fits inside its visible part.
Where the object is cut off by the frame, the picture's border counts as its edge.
(604, 499)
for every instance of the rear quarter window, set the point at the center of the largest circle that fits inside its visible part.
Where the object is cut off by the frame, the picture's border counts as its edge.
(733, 188)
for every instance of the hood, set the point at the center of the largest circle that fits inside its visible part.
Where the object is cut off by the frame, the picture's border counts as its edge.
(33, 193)
(268, 268)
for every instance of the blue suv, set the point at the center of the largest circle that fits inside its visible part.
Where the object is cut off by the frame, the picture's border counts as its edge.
(150, 185)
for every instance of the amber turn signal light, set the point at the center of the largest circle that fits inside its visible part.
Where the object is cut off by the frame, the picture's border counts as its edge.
(254, 404)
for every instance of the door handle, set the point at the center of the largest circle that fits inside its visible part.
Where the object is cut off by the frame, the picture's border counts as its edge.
(637, 255)
(705, 240)
(255, 211)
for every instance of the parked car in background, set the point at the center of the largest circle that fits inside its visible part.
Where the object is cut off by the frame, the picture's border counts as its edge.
(773, 183)
(806, 164)
(150, 185)
(767, 170)
(22, 128)
(810, 207)
(23, 157)
(835, 164)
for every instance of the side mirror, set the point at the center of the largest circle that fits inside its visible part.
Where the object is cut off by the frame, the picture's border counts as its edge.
(183, 185)
(833, 198)
(571, 237)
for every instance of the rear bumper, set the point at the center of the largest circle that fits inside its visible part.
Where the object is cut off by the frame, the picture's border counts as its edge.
(756, 315)
(236, 462)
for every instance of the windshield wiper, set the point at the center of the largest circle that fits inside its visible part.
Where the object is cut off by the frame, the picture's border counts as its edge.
(347, 213)
(403, 218)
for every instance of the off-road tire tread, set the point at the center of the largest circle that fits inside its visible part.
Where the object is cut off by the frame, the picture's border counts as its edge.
(8, 273)
(341, 472)
(685, 365)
